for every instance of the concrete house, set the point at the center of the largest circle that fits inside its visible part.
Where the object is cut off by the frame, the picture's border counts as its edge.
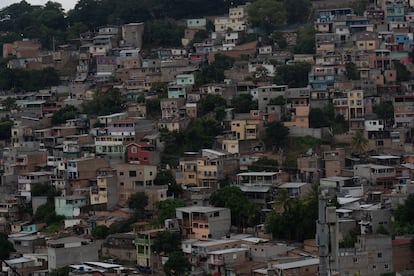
(66, 251)
(204, 222)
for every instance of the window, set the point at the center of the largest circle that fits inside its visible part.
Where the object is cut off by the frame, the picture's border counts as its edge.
(355, 260)
(379, 255)
(134, 149)
(132, 173)
(121, 173)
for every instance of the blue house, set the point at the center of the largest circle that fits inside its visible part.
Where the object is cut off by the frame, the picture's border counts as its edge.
(395, 12)
(177, 91)
(320, 78)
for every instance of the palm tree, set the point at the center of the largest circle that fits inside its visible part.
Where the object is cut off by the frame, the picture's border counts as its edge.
(359, 143)
(283, 201)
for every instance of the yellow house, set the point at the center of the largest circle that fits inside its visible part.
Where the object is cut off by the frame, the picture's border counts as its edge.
(366, 41)
(245, 129)
(356, 109)
(324, 47)
(105, 191)
(207, 169)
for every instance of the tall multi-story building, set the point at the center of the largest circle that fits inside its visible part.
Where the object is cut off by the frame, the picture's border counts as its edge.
(132, 35)
(201, 222)
(134, 178)
(207, 169)
(356, 112)
(372, 255)
(404, 110)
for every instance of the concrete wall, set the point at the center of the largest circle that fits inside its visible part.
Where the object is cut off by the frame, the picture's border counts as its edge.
(301, 131)
(60, 257)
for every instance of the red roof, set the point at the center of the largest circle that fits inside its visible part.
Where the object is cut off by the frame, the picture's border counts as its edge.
(401, 242)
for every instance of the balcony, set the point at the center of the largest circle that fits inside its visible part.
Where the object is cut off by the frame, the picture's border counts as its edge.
(216, 262)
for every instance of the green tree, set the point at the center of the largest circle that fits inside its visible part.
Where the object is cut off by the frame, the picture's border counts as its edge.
(214, 72)
(28, 80)
(318, 118)
(137, 202)
(276, 135)
(385, 111)
(243, 103)
(173, 146)
(279, 100)
(279, 39)
(297, 11)
(351, 71)
(243, 212)
(162, 33)
(46, 213)
(45, 189)
(297, 221)
(63, 271)
(266, 14)
(201, 36)
(177, 264)
(65, 113)
(166, 177)
(161, 89)
(359, 143)
(403, 74)
(264, 164)
(153, 108)
(166, 243)
(9, 103)
(404, 217)
(350, 239)
(100, 232)
(105, 103)
(5, 128)
(283, 201)
(6, 247)
(360, 7)
(306, 41)
(295, 75)
(200, 133)
(166, 209)
(211, 103)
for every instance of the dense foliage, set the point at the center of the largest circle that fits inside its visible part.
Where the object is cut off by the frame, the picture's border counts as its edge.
(166, 209)
(214, 72)
(5, 128)
(105, 103)
(267, 13)
(276, 135)
(264, 164)
(243, 212)
(404, 217)
(6, 247)
(52, 26)
(162, 33)
(137, 202)
(100, 232)
(243, 103)
(297, 220)
(28, 80)
(325, 117)
(306, 41)
(295, 75)
(65, 113)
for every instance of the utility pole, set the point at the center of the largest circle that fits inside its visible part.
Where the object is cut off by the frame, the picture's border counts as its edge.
(327, 234)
